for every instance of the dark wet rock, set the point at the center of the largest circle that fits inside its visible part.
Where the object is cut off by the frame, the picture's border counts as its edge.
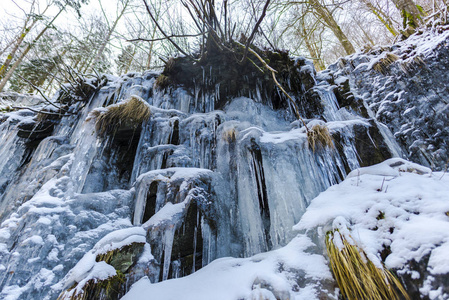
(124, 258)
(370, 145)
(416, 276)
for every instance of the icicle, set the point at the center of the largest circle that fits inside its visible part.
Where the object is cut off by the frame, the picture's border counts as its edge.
(195, 233)
(169, 234)
(331, 108)
(209, 244)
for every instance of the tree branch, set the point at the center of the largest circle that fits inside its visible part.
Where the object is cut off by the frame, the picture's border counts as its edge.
(167, 37)
(251, 37)
(162, 31)
(273, 73)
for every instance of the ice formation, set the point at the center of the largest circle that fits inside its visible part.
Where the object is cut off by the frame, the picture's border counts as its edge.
(204, 200)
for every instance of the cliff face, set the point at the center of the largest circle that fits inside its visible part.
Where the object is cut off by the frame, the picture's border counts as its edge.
(153, 176)
(405, 86)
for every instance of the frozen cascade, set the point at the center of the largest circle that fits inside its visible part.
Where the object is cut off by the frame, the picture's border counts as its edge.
(203, 183)
(83, 156)
(11, 154)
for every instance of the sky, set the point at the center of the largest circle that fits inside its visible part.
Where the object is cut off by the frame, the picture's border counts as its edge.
(14, 10)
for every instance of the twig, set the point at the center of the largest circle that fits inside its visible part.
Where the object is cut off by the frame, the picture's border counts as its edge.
(261, 30)
(162, 31)
(167, 37)
(191, 15)
(41, 111)
(42, 94)
(251, 37)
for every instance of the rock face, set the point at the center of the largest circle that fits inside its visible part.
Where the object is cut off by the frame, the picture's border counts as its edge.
(407, 93)
(221, 168)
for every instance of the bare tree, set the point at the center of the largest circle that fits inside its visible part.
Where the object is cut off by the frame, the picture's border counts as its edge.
(9, 73)
(31, 19)
(381, 15)
(322, 11)
(411, 14)
(122, 6)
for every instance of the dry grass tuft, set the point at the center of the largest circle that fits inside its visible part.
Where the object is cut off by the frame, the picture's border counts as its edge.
(319, 135)
(229, 135)
(356, 276)
(131, 113)
(382, 64)
(162, 81)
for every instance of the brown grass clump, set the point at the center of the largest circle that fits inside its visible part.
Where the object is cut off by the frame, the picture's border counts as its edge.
(229, 135)
(162, 81)
(356, 276)
(319, 135)
(382, 64)
(131, 113)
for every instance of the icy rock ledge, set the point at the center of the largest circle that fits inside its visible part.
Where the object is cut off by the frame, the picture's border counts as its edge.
(90, 268)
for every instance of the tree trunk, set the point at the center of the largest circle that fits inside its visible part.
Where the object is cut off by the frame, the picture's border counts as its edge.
(19, 41)
(150, 52)
(307, 35)
(26, 29)
(410, 13)
(329, 20)
(25, 52)
(382, 17)
(131, 58)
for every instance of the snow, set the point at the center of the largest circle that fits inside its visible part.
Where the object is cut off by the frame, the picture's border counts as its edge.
(168, 212)
(242, 278)
(88, 268)
(120, 238)
(176, 173)
(34, 239)
(397, 204)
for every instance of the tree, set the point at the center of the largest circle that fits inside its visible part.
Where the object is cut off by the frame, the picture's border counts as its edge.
(120, 12)
(308, 33)
(381, 15)
(411, 14)
(7, 73)
(323, 12)
(124, 59)
(31, 18)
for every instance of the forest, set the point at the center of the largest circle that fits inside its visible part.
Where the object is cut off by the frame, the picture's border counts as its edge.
(46, 44)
